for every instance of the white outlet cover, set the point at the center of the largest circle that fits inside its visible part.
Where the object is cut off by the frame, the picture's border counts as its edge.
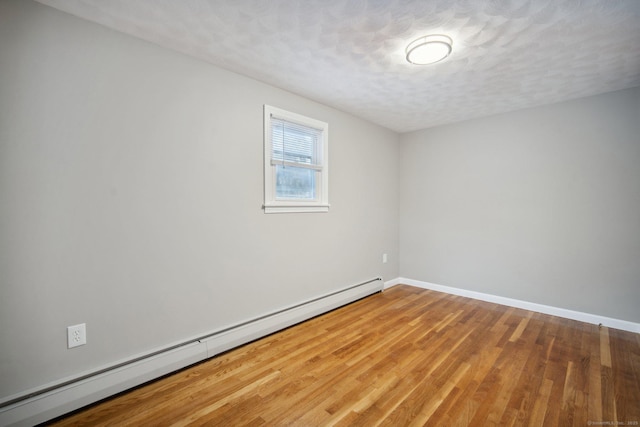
(76, 335)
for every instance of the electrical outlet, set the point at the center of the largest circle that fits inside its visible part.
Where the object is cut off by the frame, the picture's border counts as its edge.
(384, 258)
(76, 335)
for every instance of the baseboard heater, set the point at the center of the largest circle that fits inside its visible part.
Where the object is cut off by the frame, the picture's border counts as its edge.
(48, 402)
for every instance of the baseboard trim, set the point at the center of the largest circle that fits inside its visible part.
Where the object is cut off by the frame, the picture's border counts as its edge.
(92, 388)
(277, 321)
(394, 282)
(511, 302)
(68, 398)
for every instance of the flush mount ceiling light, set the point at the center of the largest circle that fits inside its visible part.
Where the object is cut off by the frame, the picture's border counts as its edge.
(429, 49)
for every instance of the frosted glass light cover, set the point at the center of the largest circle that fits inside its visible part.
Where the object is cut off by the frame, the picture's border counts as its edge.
(429, 49)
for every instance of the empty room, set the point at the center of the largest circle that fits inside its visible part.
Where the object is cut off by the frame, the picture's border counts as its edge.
(318, 213)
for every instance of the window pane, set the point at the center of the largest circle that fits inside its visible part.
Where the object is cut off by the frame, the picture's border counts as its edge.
(295, 183)
(293, 142)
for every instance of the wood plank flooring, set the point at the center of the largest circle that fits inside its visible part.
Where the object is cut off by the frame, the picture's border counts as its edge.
(403, 357)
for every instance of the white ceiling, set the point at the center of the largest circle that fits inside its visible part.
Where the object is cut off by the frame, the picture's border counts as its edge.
(349, 54)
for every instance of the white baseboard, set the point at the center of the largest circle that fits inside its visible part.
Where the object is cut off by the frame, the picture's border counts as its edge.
(396, 281)
(274, 322)
(76, 394)
(539, 308)
(68, 398)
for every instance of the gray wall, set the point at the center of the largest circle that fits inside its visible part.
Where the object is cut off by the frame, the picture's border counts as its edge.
(131, 187)
(541, 205)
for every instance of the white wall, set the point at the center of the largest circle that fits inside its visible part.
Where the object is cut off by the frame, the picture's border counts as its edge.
(540, 205)
(131, 192)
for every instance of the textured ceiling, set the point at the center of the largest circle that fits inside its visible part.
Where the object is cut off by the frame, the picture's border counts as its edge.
(349, 54)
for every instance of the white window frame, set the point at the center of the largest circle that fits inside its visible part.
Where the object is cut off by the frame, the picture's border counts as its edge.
(273, 204)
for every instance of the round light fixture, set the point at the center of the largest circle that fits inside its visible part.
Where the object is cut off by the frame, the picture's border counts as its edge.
(429, 49)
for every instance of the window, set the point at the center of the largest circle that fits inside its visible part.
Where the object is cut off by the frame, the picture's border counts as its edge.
(295, 163)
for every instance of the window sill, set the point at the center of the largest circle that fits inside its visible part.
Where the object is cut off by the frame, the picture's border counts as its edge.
(295, 208)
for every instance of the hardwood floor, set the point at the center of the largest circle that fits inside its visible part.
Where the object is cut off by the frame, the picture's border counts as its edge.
(406, 356)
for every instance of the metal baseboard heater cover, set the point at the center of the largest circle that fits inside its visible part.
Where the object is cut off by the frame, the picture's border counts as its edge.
(58, 399)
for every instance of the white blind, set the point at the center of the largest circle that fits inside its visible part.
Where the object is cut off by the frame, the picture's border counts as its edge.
(296, 145)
